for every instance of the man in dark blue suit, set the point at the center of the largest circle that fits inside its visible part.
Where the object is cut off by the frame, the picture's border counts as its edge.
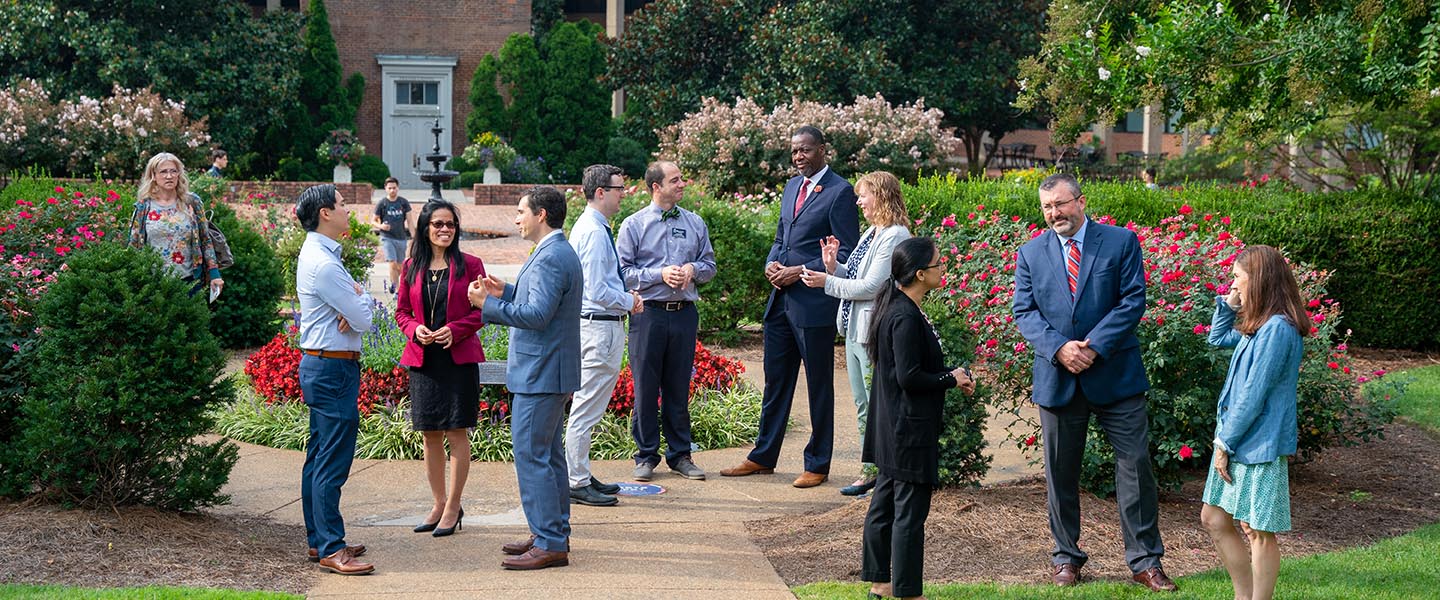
(1079, 295)
(800, 320)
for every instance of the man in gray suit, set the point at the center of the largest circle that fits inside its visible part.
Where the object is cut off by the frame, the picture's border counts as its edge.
(542, 309)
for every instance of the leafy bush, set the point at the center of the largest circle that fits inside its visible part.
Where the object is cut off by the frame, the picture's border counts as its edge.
(1187, 258)
(627, 154)
(526, 170)
(119, 426)
(244, 315)
(370, 169)
(357, 249)
(110, 136)
(745, 147)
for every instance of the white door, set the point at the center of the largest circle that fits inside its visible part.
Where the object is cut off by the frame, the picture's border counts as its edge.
(416, 91)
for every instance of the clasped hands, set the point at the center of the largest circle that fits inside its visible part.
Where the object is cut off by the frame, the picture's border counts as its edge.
(442, 336)
(1076, 356)
(678, 276)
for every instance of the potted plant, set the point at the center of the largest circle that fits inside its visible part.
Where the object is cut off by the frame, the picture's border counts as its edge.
(490, 150)
(342, 149)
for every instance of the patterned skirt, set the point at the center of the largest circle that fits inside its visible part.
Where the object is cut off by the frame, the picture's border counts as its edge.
(1259, 496)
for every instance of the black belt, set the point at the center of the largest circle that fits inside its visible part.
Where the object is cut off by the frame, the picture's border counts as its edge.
(603, 317)
(670, 306)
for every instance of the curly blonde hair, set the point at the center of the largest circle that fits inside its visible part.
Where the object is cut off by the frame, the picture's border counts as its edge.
(147, 179)
(889, 204)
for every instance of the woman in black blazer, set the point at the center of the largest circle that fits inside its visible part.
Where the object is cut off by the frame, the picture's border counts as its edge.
(907, 400)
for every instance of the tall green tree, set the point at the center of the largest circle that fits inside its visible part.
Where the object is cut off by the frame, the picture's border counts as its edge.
(545, 15)
(487, 108)
(575, 113)
(522, 75)
(238, 71)
(326, 101)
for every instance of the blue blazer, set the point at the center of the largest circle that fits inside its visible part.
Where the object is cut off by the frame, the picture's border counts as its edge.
(1109, 301)
(830, 211)
(542, 309)
(1255, 418)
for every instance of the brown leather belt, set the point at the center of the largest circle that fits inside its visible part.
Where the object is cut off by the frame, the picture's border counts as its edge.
(339, 354)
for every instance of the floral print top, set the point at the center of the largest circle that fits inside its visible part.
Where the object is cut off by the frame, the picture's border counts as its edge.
(175, 232)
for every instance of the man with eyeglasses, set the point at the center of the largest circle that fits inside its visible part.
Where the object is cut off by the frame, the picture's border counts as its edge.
(1079, 296)
(603, 306)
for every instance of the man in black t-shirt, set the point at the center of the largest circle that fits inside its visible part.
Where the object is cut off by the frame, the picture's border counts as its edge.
(392, 218)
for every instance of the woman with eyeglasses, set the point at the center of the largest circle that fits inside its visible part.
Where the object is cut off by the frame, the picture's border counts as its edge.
(442, 351)
(170, 219)
(907, 400)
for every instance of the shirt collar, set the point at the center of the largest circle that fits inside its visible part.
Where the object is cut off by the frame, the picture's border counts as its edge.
(1079, 236)
(325, 242)
(550, 235)
(814, 179)
(598, 216)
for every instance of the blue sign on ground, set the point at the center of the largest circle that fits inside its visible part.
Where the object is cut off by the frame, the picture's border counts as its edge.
(639, 489)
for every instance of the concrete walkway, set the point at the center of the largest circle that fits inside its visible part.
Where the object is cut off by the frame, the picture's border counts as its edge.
(688, 542)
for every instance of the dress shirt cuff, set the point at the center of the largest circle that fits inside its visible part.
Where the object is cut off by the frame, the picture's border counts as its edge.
(1219, 445)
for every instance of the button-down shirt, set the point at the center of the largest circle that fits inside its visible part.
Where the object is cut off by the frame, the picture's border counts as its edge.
(1079, 238)
(604, 289)
(327, 292)
(648, 244)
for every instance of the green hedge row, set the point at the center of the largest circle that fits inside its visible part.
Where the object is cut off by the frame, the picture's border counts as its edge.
(1382, 248)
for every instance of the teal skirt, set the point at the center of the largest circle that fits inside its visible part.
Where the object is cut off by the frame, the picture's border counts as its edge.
(1259, 496)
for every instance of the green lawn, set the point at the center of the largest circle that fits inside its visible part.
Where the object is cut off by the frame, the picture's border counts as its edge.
(55, 592)
(1400, 568)
(1421, 401)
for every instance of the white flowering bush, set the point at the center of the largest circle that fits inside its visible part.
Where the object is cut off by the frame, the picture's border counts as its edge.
(110, 136)
(743, 146)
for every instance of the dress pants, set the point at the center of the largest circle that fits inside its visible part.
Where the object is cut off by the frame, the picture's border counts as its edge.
(895, 535)
(330, 387)
(662, 360)
(602, 348)
(786, 346)
(857, 367)
(537, 431)
(1126, 424)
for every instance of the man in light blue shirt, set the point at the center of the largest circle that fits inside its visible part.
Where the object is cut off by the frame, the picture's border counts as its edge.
(603, 307)
(334, 311)
(664, 252)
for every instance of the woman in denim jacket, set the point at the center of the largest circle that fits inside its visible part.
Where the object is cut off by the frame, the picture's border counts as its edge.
(1263, 318)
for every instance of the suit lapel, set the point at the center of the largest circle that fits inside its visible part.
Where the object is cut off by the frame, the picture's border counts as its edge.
(533, 254)
(1053, 265)
(812, 195)
(1088, 252)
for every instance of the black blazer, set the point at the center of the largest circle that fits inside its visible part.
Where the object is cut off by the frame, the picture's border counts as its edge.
(907, 396)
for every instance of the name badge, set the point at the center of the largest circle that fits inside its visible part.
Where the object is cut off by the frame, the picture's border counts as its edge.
(676, 232)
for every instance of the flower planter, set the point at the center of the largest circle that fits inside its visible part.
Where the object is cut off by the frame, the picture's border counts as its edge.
(342, 174)
(492, 174)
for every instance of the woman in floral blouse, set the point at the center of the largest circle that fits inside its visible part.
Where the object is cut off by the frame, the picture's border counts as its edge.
(170, 219)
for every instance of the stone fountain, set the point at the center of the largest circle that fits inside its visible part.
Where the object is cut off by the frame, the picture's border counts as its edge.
(437, 176)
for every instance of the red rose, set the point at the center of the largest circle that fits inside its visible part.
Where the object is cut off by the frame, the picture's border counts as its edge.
(1186, 452)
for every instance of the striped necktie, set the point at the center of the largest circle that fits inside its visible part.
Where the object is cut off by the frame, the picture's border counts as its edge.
(1072, 266)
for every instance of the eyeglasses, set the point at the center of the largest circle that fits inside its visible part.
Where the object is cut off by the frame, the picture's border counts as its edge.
(1058, 205)
(932, 266)
(168, 171)
(612, 187)
(443, 224)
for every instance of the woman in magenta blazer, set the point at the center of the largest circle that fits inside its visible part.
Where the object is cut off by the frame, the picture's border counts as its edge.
(432, 309)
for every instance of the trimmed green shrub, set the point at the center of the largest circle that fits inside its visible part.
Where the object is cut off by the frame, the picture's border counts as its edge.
(370, 169)
(244, 315)
(627, 154)
(741, 232)
(121, 382)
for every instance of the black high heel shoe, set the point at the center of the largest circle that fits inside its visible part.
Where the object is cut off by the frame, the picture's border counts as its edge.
(444, 531)
(424, 527)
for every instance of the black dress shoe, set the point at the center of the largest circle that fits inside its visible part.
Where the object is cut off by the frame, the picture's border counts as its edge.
(589, 497)
(858, 489)
(444, 531)
(604, 488)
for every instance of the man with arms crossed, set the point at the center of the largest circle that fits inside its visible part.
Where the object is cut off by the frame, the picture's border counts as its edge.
(334, 311)
(542, 309)
(602, 330)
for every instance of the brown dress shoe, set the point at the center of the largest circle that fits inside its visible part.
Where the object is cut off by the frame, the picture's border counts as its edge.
(518, 548)
(344, 563)
(809, 480)
(1155, 579)
(357, 551)
(536, 558)
(1066, 575)
(747, 467)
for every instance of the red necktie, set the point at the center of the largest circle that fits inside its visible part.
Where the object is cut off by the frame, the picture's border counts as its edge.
(1072, 266)
(800, 199)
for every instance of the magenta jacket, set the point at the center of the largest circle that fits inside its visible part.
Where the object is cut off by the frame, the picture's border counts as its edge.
(464, 320)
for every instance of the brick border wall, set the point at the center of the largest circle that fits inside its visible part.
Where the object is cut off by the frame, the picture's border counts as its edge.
(507, 194)
(352, 193)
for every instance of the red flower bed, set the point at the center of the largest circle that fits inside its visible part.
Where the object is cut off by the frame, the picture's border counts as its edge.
(711, 372)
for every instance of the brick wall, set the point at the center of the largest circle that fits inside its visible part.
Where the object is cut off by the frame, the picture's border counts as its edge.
(352, 193)
(508, 194)
(467, 29)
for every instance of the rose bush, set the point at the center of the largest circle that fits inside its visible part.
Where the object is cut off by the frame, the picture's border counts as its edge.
(1187, 260)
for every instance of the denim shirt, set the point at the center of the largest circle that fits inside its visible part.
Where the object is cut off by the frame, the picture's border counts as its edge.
(1256, 418)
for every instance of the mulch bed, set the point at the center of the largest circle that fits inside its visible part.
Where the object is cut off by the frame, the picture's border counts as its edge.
(1347, 497)
(142, 546)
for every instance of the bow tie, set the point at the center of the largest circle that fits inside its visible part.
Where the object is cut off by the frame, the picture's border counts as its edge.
(673, 213)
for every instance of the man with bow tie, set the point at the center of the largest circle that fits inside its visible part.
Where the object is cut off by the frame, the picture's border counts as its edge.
(800, 320)
(664, 252)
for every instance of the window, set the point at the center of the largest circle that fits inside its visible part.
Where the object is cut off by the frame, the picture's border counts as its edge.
(417, 92)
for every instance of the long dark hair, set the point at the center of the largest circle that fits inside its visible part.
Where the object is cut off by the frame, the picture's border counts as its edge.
(420, 250)
(909, 257)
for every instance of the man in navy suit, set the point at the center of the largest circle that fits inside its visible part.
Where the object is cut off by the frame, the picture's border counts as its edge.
(1079, 295)
(542, 309)
(800, 320)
